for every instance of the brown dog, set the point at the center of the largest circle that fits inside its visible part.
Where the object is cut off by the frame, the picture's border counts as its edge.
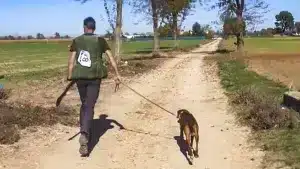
(190, 128)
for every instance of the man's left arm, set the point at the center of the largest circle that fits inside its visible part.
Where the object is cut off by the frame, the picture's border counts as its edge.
(112, 61)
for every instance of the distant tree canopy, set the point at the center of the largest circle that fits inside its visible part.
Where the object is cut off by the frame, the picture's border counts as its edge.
(196, 29)
(267, 32)
(174, 13)
(297, 27)
(30, 37)
(57, 35)
(284, 21)
(40, 36)
(201, 30)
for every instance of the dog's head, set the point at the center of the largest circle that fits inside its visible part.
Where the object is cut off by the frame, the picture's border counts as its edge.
(180, 113)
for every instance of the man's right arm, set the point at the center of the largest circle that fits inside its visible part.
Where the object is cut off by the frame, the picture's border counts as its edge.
(71, 59)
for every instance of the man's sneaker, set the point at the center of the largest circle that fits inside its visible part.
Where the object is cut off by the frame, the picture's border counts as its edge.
(83, 141)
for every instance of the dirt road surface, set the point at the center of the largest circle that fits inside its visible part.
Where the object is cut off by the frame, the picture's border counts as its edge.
(181, 82)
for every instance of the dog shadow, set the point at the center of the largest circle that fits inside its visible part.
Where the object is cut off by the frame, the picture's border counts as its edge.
(183, 148)
(98, 128)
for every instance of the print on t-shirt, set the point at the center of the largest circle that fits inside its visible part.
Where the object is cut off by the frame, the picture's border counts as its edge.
(84, 58)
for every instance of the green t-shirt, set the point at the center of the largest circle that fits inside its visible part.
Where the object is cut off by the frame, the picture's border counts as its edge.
(89, 63)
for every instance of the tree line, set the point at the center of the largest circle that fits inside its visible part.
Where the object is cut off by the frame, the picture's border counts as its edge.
(169, 14)
(236, 16)
(284, 25)
(38, 36)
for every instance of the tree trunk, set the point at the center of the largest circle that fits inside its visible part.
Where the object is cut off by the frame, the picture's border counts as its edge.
(156, 44)
(118, 28)
(240, 37)
(175, 29)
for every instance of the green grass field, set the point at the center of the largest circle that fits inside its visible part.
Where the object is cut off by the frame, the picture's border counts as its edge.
(39, 60)
(270, 45)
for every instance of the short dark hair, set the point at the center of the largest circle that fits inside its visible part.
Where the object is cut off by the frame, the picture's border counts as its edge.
(90, 23)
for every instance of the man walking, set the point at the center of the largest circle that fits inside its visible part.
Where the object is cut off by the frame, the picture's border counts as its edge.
(86, 67)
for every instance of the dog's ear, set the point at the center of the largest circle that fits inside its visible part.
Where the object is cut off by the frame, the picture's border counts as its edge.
(179, 113)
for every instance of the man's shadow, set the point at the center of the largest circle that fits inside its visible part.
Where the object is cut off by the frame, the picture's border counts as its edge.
(99, 128)
(183, 147)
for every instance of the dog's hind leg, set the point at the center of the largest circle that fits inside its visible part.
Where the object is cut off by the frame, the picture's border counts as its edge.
(196, 150)
(188, 133)
(197, 141)
(192, 140)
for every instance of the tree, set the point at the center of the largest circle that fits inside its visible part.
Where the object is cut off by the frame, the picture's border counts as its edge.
(115, 23)
(174, 11)
(187, 33)
(30, 37)
(249, 12)
(196, 28)
(267, 32)
(57, 35)
(277, 30)
(108, 34)
(118, 29)
(210, 34)
(231, 26)
(66, 37)
(200, 30)
(165, 30)
(40, 36)
(284, 21)
(150, 9)
(297, 26)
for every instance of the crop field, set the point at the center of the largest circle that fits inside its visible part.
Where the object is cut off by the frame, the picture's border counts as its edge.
(26, 60)
(275, 58)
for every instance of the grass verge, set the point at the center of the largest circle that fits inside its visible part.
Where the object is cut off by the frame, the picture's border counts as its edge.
(256, 100)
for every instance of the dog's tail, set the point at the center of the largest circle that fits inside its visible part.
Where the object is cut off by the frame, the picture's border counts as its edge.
(59, 99)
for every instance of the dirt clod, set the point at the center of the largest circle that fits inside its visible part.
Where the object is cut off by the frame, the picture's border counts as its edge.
(4, 93)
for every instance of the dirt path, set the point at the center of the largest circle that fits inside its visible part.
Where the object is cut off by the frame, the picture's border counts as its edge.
(182, 82)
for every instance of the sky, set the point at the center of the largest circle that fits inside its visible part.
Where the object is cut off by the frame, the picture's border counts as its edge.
(28, 17)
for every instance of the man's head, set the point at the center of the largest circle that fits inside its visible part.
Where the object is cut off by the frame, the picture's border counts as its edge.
(89, 25)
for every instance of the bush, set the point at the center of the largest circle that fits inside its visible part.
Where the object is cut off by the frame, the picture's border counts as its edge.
(260, 111)
(4, 93)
